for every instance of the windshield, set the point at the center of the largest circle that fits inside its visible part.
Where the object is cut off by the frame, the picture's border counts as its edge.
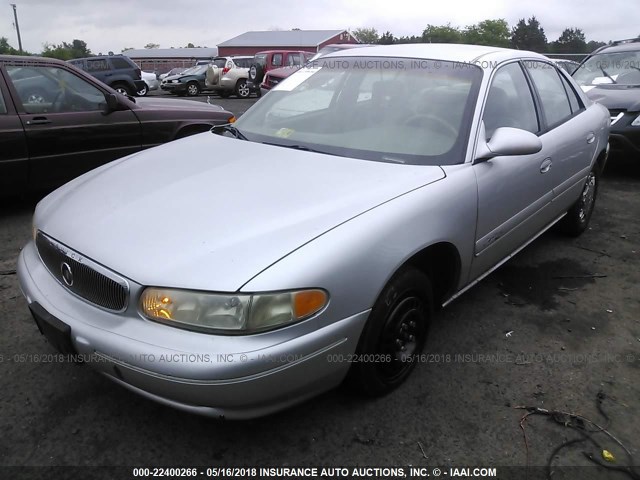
(622, 68)
(198, 69)
(382, 109)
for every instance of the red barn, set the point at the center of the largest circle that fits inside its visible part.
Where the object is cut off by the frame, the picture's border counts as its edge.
(250, 43)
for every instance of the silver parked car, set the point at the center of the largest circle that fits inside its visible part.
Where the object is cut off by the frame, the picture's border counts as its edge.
(338, 213)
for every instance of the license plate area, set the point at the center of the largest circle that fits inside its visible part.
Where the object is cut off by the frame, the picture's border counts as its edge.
(56, 331)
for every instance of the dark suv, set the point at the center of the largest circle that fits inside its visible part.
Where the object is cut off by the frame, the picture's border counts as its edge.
(611, 76)
(117, 71)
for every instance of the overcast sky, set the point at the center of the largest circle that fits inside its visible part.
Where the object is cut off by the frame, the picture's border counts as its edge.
(115, 24)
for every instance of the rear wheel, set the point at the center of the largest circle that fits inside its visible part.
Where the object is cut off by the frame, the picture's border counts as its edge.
(577, 218)
(193, 89)
(394, 334)
(242, 89)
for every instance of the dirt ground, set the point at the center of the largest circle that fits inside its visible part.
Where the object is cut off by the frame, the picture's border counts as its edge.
(557, 327)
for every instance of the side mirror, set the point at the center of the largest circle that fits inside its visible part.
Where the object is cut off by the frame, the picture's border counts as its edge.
(113, 103)
(507, 141)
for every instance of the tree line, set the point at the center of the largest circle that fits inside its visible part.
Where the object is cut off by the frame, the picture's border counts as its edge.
(525, 35)
(66, 51)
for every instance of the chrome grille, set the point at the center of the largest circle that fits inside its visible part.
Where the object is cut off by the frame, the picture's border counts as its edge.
(101, 288)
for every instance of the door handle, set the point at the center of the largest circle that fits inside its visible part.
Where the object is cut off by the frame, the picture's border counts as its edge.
(38, 121)
(591, 137)
(546, 165)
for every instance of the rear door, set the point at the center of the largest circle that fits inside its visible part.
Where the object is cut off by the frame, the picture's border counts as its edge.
(568, 129)
(67, 128)
(14, 167)
(514, 192)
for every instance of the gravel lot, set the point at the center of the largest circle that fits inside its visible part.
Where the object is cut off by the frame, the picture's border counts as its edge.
(523, 336)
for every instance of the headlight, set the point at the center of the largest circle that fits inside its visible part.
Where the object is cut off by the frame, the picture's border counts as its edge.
(175, 81)
(636, 122)
(228, 313)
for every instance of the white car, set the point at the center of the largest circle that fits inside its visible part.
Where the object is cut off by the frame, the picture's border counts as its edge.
(227, 75)
(151, 80)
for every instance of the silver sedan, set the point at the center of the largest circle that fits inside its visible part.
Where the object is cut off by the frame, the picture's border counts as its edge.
(237, 272)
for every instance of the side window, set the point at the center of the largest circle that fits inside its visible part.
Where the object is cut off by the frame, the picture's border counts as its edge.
(553, 96)
(119, 63)
(294, 59)
(509, 102)
(574, 100)
(54, 90)
(3, 106)
(277, 60)
(77, 63)
(99, 65)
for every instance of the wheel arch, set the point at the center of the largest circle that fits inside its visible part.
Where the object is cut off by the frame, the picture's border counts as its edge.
(442, 264)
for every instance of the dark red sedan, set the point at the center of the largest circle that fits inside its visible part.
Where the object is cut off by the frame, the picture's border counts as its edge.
(57, 122)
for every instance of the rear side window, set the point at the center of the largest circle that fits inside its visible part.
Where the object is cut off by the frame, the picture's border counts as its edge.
(574, 101)
(119, 63)
(294, 59)
(99, 65)
(220, 62)
(277, 60)
(553, 96)
(510, 103)
(3, 107)
(77, 63)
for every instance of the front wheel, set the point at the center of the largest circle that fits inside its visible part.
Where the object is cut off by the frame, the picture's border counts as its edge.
(122, 88)
(193, 89)
(577, 218)
(142, 92)
(394, 335)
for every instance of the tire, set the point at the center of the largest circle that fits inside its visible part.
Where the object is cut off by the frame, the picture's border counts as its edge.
(122, 88)
(224, 93)
(256, 74)
(193, 89)
(396, 330)
(144, 91)
(577, 218)
(242, 89)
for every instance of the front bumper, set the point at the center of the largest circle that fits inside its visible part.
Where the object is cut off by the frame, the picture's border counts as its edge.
(174, 87)
(220, 376)
(623, 137)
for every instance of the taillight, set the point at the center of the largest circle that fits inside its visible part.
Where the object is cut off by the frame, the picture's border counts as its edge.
(225, 70)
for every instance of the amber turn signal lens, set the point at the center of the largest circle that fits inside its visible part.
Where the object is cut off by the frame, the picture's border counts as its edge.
(232, 119)
(308, 302)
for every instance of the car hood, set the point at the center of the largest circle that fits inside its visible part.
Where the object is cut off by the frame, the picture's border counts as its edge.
(615, 98)
(156, 103)
(210, 212)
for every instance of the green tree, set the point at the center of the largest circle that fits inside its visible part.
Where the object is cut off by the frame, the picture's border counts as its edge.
(488, 32)
(407, 39)
(152, 45)
(529, 35)
(593, 45)
(6, 49)
(572, 40)
(441, 34)
(66, 51)
(127, 48)
(366, 35)
(190, 45)
(387, 38)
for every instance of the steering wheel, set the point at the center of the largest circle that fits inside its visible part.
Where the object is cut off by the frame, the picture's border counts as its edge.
(442, 125)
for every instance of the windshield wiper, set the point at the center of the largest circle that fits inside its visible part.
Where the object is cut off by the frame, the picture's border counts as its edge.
(227, 127)
(299, 147)
(607, 75)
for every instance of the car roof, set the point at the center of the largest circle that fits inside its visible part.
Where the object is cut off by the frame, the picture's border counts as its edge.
(621, 46)
(441, 51)
(9, 58)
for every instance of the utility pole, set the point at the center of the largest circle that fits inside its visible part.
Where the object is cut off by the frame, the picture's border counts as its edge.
(15, 16)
